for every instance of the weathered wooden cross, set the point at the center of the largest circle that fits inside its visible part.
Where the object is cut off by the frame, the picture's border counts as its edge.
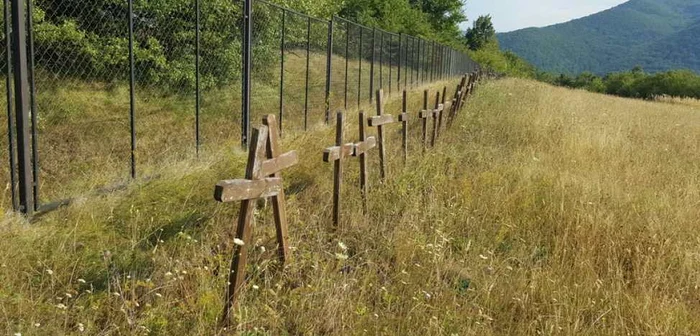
(436, 113)
(424, 115)
(458, 100)
(453, 106)
(442, 111)
(337, 155)
(361, 149)
(262, 180)
(403, 118)
(379, 121)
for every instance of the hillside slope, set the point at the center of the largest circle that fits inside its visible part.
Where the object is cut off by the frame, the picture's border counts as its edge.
(656, 34)
(541, 211)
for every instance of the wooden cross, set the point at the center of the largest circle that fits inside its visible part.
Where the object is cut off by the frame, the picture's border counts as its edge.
(337, 154)
(361, 149)
(379, 121)
(424, 115)
(403, 118)
(453, 106)
(464, 90)
(444, 102)
(435, 113)
(262, 180)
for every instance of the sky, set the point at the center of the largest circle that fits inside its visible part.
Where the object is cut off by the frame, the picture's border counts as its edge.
(511, 15)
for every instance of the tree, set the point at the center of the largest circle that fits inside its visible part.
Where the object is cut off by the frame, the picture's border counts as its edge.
(481, 34)
(443, 15)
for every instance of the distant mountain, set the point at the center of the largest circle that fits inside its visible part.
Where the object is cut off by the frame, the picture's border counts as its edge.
(658, 35)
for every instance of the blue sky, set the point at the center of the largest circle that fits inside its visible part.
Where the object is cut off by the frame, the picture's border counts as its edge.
(511, 15)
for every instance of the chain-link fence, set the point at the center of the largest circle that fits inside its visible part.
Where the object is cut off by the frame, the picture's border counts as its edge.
(118, 88)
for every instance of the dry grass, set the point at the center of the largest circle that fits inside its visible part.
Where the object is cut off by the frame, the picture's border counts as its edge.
(84, 136)
(542, 211)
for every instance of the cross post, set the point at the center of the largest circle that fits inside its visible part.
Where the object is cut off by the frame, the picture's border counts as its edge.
(379, 121)
(262, 180)
(337, 155)
(361, 149)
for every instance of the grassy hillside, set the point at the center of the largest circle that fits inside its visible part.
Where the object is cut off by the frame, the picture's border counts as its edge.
(652, 33)
(542, 211)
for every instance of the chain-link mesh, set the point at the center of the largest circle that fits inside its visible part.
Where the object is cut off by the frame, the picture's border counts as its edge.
(220, 72)
(186, 81)
(81, 68)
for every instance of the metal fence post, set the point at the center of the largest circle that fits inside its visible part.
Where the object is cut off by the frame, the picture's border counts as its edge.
(398, 76)
(198, 93)
(391, 61)
(371, 67)
(306, 85)
(347, 60)
(381, 61)
(360, 58)
(329, 68)
(19, 53)
(32, 97)
(132, 80)
(8, 92)
(282, 46)
(246, 80)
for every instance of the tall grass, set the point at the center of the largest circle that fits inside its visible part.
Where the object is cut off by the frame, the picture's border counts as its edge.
(84, 135)
(542, 211)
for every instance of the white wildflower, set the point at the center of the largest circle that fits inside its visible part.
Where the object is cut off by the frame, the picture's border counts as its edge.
(341, 256)
(256, 287)
(61, 306)
(483, 256)
(81, 281)
(81, 327)
(168, 274)
(238, 242)
(342, 246)
(159, 295)
(49, 272)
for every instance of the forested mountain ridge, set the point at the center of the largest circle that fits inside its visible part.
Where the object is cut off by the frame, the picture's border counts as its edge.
(657, 35)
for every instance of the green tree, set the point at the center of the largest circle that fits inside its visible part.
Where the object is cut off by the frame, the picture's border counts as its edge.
(481, 33)
(443, 15)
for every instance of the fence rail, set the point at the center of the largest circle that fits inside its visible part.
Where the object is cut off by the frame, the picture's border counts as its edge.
(98, 94)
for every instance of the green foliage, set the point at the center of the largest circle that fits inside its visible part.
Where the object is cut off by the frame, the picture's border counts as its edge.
(659, 35)
(89, 40)
(437, 20)
(506, 62)
(481, 33)
(634, 83)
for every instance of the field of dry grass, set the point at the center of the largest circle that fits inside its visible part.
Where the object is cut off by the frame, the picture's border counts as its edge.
(542, 211)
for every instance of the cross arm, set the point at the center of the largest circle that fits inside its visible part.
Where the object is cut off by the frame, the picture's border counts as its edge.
(331, 154)
(239, 190)
(380, 120)
(364, 146)
(279, 163)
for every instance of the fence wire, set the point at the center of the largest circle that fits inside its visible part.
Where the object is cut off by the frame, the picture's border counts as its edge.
(121, 88)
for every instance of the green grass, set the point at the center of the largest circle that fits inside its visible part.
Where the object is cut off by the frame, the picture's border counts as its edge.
(541, 211)
(84, 135)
